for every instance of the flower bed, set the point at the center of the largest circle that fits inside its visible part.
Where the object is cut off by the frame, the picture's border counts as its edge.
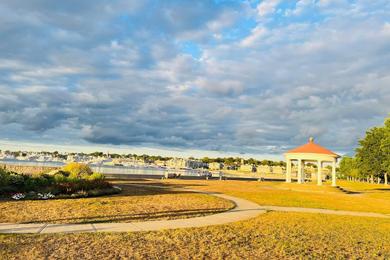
(73, 181)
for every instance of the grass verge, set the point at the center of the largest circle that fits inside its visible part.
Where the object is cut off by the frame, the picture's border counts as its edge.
(366, 197)
(132, 204)
(269, 236)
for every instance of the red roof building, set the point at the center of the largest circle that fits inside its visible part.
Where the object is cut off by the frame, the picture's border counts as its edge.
(312, 147)
(310, 152)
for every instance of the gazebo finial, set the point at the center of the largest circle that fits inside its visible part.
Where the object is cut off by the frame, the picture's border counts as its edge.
(311, 139)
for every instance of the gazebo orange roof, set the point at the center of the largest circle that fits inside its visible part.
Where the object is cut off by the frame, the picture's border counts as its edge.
(312, 147)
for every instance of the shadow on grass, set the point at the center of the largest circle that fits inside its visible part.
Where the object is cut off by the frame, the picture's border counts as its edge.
(171, 214)
(383, 189)
(147, 187)
(350, 192)
(139, 187)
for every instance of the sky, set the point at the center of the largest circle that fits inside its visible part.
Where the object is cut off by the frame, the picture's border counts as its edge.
(211, 77)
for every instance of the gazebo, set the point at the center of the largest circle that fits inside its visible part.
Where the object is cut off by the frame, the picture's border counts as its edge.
(310, 152)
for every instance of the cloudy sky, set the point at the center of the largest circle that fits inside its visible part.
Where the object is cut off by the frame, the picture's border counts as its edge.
(253, 77)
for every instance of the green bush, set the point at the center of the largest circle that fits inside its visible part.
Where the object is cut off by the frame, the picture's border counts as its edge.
(37, 183)
(4, 177)
(77, 170)
(64, 173)
(59, 177)
(16, 180)
(78, 181)
(93, 184)
(94, 176)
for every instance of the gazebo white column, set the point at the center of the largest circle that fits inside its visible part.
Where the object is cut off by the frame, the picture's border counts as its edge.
(299, 177)
(310, 152)
(288, 171)
(334, 173)
(319, 172)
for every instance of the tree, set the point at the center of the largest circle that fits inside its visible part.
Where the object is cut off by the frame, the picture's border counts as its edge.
(251, 161)
(385, 148)
(206, 160)
(229, 161)
(369, 155)
(348, 168)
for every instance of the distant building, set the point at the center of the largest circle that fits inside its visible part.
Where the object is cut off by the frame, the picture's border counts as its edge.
(264, 169)
(160, 163)
(215, 166)
(181, 163)
(231, 167)
(278, 170)
(247, 168)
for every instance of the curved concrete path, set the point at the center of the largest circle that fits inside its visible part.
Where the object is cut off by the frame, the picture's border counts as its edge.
(243, 210)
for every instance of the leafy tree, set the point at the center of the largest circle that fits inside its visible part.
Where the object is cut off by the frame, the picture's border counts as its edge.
(369, 155)
(348, 168)
(96, 154)
(206, 160)
(229, 161)
(385, 148)
(251, 161)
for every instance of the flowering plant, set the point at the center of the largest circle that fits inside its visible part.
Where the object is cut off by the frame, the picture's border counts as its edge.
(18, 196)
(45, 196)
(117, 187)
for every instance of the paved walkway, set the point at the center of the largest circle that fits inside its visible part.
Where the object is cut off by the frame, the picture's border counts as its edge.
(325, 211)
(243, 210)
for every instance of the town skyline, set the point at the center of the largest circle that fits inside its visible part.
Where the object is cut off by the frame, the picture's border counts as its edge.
(73, 148)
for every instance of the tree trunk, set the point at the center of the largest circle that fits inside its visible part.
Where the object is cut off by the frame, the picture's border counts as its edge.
(385, 178)
(372, 179)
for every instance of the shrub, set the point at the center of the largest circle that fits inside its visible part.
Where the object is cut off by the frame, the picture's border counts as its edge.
(95, 176)
(36, 183)
(59, 177)
(54, 172)
(93, 184)
(16, 180)
(77, 170)
(76, 180)
(80, 184)
(66, 187)
(4, 177)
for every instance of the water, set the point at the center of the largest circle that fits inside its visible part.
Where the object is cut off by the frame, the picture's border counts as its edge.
(31, 163)
(106, 169)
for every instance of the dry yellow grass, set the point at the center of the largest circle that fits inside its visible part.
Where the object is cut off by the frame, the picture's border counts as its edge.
(253, 174)
(273, 235)
(368, 198)
(133, 204)
(269, 236)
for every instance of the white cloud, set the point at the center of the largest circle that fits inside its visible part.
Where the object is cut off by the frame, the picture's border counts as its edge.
(267, 7)
(324, 3)
(386, 29)
(300, 7)
(258, 93)
(254, 38)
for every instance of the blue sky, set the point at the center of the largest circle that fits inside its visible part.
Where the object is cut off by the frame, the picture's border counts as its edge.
(198, 77)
